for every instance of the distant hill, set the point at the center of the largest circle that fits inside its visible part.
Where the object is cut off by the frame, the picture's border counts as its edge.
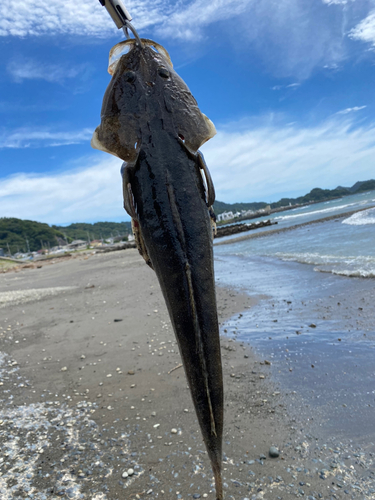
(315, 195)
(96, 231)
(361, 186)
(24, 235)
(220, 206)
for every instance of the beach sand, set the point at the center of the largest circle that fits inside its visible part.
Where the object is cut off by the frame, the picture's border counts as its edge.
(95, 405)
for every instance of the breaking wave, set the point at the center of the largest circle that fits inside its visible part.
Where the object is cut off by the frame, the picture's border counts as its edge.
(314, 212)
(361, 218)
(359, 266)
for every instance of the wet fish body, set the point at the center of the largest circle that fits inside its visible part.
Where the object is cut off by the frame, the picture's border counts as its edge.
(151, 121)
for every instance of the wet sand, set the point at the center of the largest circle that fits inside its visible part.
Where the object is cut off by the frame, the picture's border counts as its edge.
(94, 403)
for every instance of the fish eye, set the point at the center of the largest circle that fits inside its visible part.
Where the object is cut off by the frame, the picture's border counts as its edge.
(129, 76)
(163, 72)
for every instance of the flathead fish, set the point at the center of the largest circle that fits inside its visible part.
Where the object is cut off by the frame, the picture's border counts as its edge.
(152, 122)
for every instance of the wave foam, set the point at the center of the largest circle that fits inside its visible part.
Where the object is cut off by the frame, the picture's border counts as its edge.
(361, 218)
(313, 212)
(358, 273)
(362, 266)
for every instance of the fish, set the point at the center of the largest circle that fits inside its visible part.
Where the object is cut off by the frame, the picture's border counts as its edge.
(150, 120)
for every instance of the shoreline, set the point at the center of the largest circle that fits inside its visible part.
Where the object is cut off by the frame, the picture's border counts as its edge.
(296, 226)
(95, 369)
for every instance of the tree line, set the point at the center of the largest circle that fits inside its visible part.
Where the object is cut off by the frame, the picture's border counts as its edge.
(17, 235)
(314, 196)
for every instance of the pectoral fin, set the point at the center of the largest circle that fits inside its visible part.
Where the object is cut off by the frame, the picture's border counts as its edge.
(209, 184)
(127, 189)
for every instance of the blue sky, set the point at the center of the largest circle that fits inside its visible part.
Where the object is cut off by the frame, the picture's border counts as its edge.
(289, 85)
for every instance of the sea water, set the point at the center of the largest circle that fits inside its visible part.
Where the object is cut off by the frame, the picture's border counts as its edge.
(344, 246)
(314, 316)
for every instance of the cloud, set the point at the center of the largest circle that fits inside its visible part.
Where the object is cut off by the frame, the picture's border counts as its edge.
(33, 70)
(262, 161)
(337, 2)
(84, 17)
(291, 37)
(290, 86)
(266, 162)
(350, 110)
(365, 30)
(187, 22)
(85, 194)
(32, 137)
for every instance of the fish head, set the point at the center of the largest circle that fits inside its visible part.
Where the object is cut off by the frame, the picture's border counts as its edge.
(144, 86)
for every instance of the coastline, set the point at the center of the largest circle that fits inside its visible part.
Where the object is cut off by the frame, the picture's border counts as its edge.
(296, 226)
(109, 318)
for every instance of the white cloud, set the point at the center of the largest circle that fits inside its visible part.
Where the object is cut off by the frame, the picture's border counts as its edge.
(292, 37)
(365, 30)
(92, 192)
(89, 18)
(187, 21)
(32, 137)
(83, 17)
(350, 110)
(261, 162)
(272, 160)
(290, 86)
(33, 70)
(337, 2)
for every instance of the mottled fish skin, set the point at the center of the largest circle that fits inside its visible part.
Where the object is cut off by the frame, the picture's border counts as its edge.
(151, 121)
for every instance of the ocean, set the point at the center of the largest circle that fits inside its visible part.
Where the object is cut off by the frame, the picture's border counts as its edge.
(343, 246)
(314, 314)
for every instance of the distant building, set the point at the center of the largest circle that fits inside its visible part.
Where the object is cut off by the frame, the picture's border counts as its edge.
(264, 211)
(96, 243)
(77, 244)
(225, 216)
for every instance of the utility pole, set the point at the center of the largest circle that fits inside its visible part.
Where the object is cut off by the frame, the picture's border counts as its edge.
(88, 238)
(27, 243)
(9, 250)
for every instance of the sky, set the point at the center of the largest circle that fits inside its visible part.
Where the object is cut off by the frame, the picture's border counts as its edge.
(289, 84)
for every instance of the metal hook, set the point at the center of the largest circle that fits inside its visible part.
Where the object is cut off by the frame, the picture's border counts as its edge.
(121, 17)
(129, 26)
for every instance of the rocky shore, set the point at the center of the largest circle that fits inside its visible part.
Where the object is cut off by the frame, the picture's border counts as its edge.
(94, 402)
(241, 228)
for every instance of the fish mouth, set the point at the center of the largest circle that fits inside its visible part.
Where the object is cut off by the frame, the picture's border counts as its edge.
(124, 47)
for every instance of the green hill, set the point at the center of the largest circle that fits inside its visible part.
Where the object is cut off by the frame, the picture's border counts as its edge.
(361, 186)
(96, 231)
(314, 196)
(24, 235)
(27, 235)
(220, 206)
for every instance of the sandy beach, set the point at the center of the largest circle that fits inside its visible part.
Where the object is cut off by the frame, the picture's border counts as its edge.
(94, 402)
